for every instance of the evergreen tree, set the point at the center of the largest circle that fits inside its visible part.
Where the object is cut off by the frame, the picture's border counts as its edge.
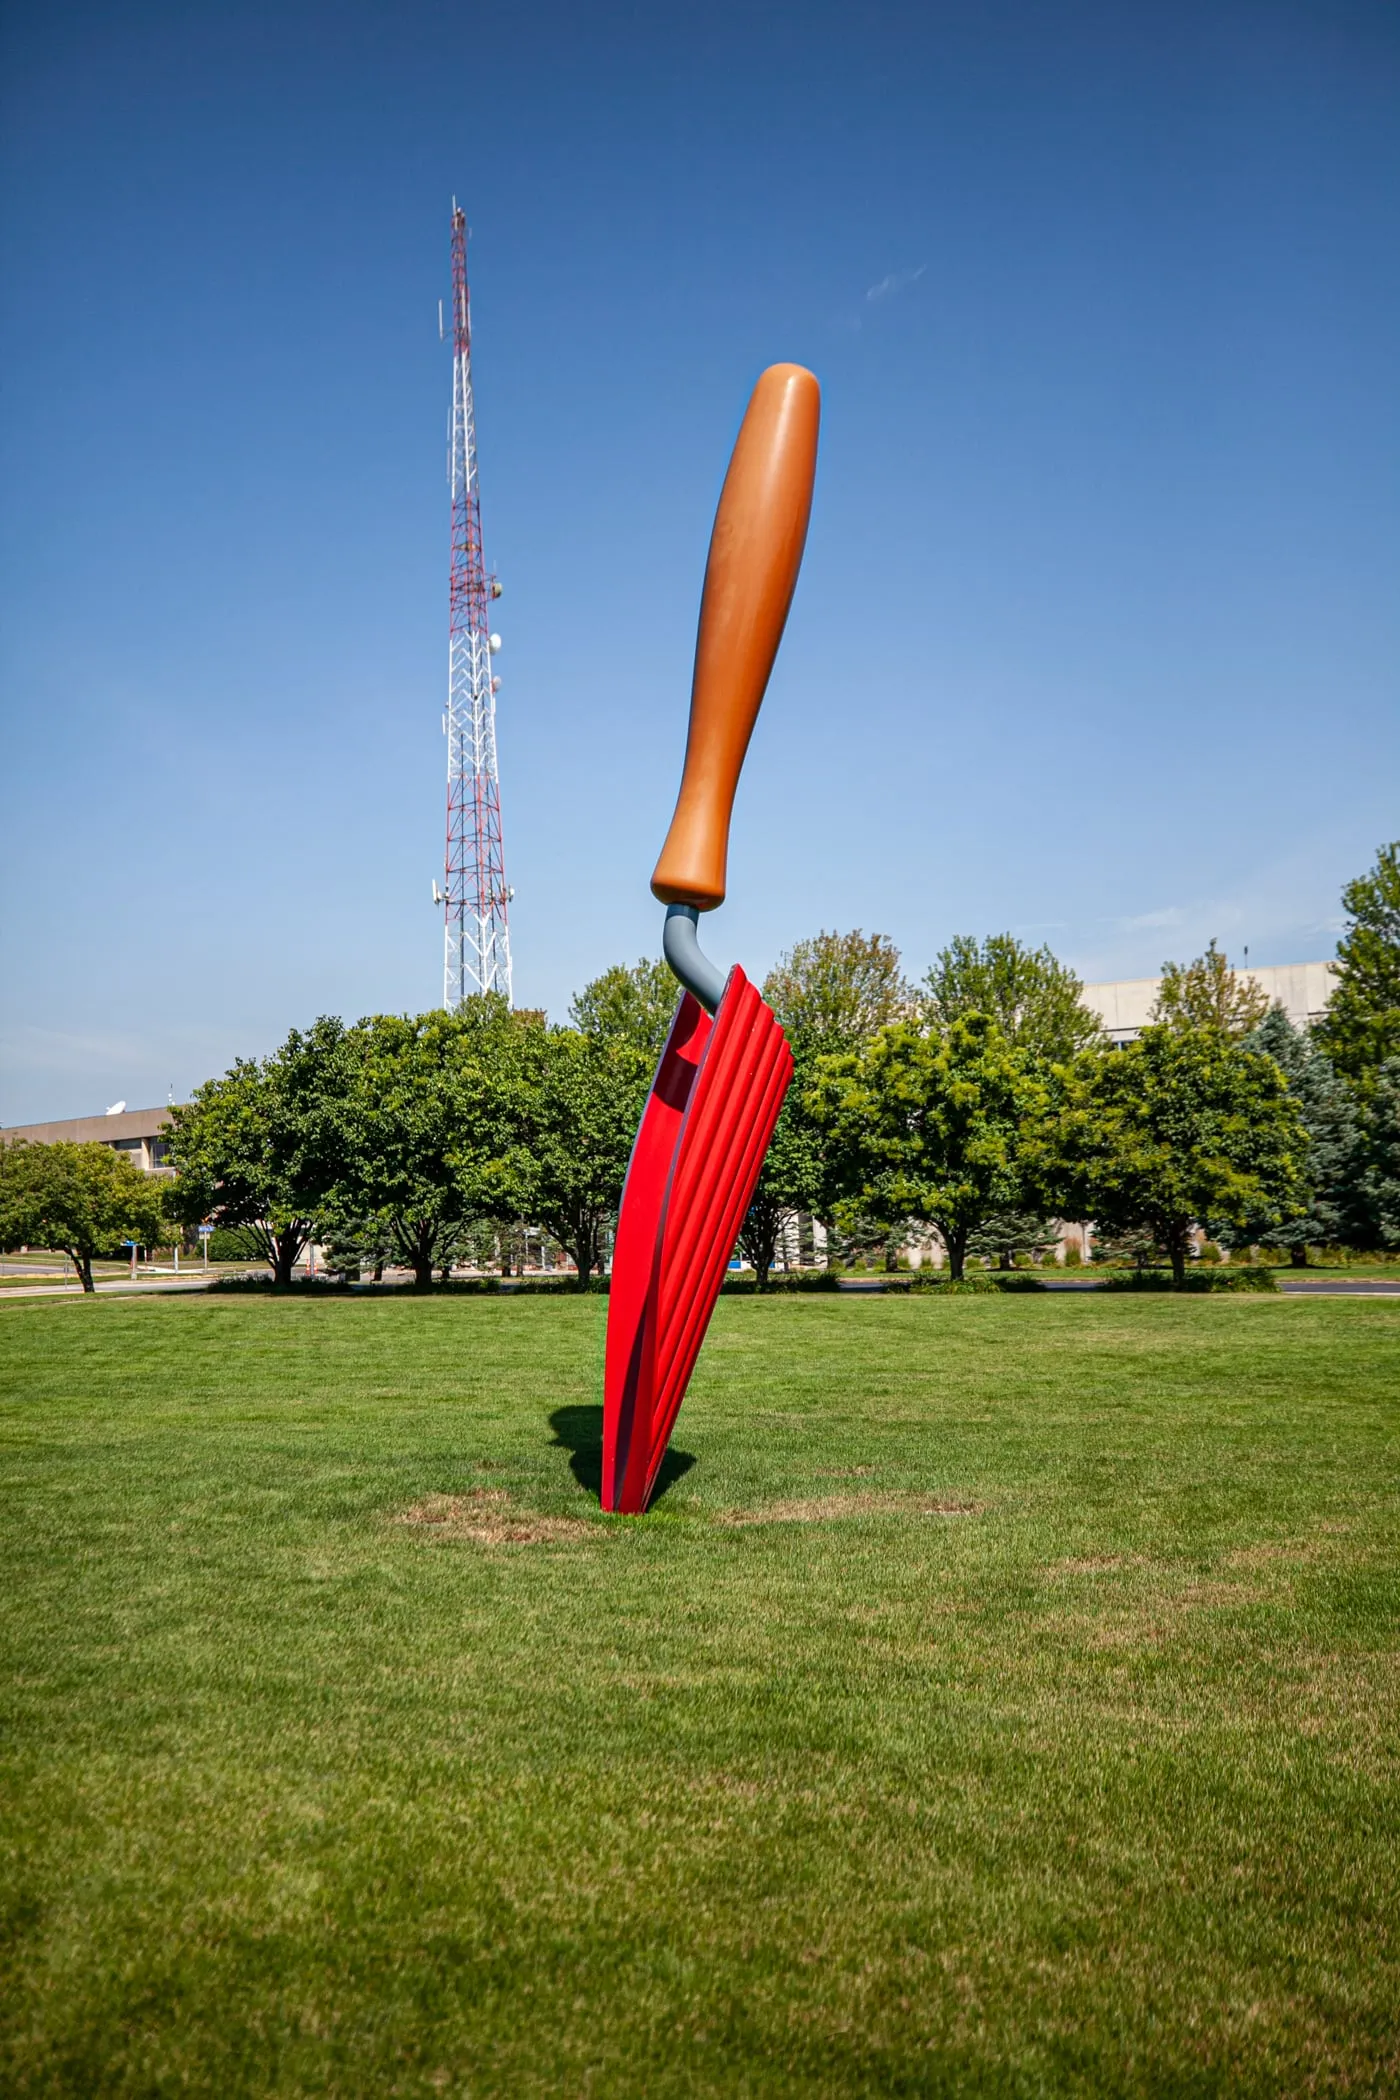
(1378, 1189)
(349, 1246)
(1138, 1245)
(1334, 1156)
(1007, 1233)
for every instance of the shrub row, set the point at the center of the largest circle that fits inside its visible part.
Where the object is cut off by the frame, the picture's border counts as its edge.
(1238, 1277)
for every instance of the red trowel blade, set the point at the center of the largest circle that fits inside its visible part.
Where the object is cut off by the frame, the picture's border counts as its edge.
(697, 1158)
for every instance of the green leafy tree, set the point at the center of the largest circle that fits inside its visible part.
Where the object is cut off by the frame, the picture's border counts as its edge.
(634, 1007)
(1035, 999)
(1361, 1029)
(588, 1092)
(86, 1199)
(792, 1180)
(263, 1148)
(926, 1123)
(831, 993)
(1207, 993)
(1037, 1002)
(1335, 1154)
(436, 1131)
(1182, 1125)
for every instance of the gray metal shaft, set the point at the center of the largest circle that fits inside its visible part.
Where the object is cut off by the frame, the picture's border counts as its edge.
(681, 949)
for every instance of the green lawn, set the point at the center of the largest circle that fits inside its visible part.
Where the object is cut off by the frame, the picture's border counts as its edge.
(1001, 1699)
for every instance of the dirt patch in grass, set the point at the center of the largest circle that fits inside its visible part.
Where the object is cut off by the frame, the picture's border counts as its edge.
(826, 1509)
(491, 1518)
(1098, 1564)
(1291, 1552)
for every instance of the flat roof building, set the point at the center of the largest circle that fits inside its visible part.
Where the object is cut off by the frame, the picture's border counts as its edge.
(134, 1132)
(1301, 989)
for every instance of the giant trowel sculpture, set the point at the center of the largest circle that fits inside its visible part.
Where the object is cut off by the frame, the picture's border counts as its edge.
(721, 1081)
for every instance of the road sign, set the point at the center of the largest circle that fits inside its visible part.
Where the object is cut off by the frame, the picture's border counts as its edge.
(206, 1232)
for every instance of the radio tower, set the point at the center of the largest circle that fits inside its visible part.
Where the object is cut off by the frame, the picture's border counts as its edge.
(477, 955)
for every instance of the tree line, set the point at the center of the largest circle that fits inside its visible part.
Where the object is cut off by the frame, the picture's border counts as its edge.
(978, 1104)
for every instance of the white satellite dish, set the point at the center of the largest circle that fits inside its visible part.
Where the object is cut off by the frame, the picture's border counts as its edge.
(118, 1108)
(495, 643)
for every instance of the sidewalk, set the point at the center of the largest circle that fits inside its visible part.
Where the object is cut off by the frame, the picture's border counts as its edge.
(143, 1287)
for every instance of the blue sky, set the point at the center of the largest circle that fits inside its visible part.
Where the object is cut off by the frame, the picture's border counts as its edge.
(1097, 633)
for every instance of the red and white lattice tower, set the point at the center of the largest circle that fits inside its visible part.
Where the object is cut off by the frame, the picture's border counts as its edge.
(477, 956)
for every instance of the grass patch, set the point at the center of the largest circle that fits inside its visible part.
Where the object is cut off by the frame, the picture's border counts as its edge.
(1001, 1698)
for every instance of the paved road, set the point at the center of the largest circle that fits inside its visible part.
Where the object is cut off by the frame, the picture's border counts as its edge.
(1290, 1286)
(1339, 1287)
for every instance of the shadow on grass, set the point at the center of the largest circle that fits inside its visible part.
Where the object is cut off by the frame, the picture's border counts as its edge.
(580, 1431)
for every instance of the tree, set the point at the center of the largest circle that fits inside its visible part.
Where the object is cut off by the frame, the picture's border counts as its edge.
(1138, 1244)
(1378, 1188)
(436, 1130)
(926, 1123)
(1182, 1125)
(633, 1006)
(1037, 1002)
(264, 1147)
(352, 1245)
(1335, 1149)
(833, 992)
(86, 1199)
(1207, 993)
(1007, 1233)
(1361, 1029)
(1034, 998)
(792, 1180)
(588, 1093)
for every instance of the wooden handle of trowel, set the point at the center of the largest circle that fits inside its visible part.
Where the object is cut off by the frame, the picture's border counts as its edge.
(755, 554)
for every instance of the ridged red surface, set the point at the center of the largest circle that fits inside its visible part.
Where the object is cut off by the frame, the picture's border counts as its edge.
(695, 1163)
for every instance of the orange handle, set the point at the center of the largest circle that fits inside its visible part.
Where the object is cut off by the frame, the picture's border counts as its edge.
(755, 554)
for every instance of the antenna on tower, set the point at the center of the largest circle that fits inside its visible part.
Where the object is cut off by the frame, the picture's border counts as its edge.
(476, 896)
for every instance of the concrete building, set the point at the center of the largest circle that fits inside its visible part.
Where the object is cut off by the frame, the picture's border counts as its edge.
(1301, 989)
(134, 1132)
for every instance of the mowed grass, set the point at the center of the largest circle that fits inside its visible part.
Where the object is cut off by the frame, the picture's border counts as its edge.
(1001, 1699)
